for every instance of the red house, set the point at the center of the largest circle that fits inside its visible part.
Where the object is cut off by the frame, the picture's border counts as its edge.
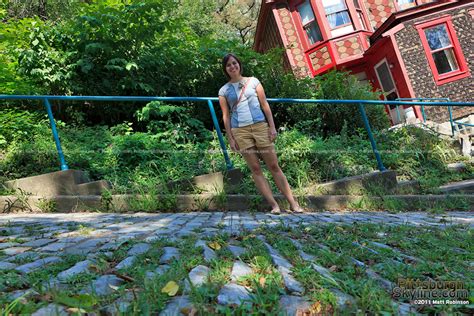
(405, 48)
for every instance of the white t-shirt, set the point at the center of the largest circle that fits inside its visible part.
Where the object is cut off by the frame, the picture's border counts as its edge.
(248, 111)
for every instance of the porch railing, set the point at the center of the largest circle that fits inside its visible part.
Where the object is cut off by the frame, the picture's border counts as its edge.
(209, 100)
(450, 112)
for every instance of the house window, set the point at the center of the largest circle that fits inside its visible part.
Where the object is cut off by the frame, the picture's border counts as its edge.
(404, 4)
(337, 13)
(442, 50)
(360, 15)
(309, 23)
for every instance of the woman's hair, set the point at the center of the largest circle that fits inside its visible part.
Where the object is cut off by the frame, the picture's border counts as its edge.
(226, 59)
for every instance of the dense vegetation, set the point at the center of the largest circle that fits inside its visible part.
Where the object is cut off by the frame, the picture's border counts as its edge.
(173, 48)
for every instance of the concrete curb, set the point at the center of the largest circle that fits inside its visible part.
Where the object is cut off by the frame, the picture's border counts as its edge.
(210, 202)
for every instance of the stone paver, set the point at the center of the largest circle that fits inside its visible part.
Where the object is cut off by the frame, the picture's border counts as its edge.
(56, 236)
(27, 268)
(104, 285)
(80, 267)
(51, 310)
(170, 254)
(240, 269)
(126, 263)
(176, 305)
(198, 276)
(233, 294)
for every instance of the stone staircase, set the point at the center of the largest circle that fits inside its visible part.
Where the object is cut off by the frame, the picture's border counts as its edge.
(58, 183)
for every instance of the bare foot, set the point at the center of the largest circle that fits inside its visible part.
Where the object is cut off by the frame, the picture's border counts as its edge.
(275, 210)
(297, 209)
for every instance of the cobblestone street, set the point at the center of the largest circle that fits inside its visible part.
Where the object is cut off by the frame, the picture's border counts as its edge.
(30, 243)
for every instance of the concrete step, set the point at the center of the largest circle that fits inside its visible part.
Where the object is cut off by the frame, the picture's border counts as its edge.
(466, 186)
(62, 182)
(407, 187)
(93, 188)
(216, 182)
(196, 202)
(375, 182)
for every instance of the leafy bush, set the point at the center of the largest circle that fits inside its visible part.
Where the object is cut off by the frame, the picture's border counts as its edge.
(138, 161)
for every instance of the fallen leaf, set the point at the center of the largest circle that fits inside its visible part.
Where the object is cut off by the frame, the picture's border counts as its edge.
(113, 287)
(76, 310)
(333, 268)
(214, 245)
(94, 268)
(189, 311)
(303, 312)
(315, 308)
(171, 288)
(262, 281)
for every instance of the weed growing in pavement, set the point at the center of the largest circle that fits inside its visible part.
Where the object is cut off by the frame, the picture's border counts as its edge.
(201, 203)
(47, 205)
(84, 230)
(20, 260)
(106, 199)
(220, 198)
(18, 203)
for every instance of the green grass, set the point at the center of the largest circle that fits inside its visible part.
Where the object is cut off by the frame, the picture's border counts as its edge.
(441, 254)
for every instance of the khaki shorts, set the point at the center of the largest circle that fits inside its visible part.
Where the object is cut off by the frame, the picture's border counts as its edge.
(255, 135)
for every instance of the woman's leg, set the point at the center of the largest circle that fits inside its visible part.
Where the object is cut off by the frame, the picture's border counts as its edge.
(251, 157)
(269, 156)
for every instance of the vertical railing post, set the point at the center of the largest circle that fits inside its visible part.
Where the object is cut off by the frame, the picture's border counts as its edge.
(450, 110)
(423, 114)
(398, 114)
(55, 135)
(219, 135)
(371, 138)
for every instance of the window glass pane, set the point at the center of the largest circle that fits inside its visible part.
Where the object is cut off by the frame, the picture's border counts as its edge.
(405, 1)
(339, 18)
(331, 6)
(437, 37)
(445, 61)
(313, 32)
(361, 19)
(385, 79)
(306, 12)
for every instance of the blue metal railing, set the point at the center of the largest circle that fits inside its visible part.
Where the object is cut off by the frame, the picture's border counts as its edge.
(210, 104)
(450, 111)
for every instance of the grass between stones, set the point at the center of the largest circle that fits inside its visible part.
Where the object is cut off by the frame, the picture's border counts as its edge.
(391, 252)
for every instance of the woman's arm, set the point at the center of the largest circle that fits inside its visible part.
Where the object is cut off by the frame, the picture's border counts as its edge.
(226, 119)
(272, 133)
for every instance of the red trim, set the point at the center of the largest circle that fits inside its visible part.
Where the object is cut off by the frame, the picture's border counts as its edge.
(299, 25)
(284, 40)
(322, 69)
(463, 71)
(411, 92)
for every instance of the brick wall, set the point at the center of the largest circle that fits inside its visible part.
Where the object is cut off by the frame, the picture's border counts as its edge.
(419, 71)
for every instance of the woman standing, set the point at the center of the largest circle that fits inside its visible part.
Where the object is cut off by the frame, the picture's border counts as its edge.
(250, 129)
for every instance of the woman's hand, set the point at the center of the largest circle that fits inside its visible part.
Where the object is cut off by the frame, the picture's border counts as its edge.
(272, 134)
(233, 144)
